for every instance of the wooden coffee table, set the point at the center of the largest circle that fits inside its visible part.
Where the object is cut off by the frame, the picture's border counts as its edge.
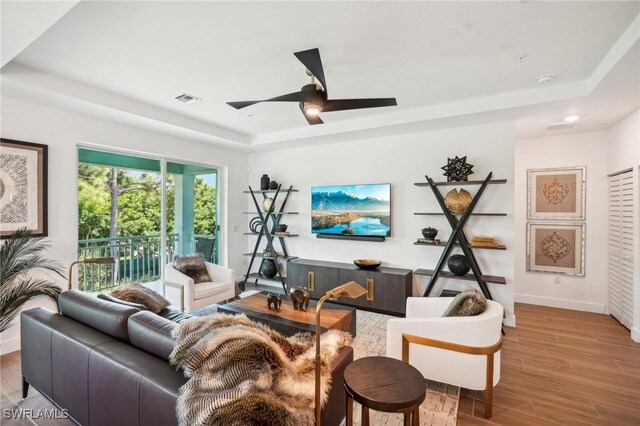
(287, 320)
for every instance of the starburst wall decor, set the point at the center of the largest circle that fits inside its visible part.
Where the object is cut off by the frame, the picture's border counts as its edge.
(457, 169)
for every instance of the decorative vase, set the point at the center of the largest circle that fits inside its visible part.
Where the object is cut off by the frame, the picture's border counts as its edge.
(269, 268)
(282, 227)
(273, 185)
(267, 204)
(429, 233)
(458, 264)
(457, 201)
(264, 182)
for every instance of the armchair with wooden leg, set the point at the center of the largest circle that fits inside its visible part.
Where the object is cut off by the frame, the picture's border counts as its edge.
(461, 351)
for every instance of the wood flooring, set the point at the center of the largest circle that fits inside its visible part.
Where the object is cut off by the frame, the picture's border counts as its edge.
(562, 367)
(559, 367)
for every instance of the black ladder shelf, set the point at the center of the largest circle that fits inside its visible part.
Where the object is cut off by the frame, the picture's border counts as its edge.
(459, 239)
(269, 232)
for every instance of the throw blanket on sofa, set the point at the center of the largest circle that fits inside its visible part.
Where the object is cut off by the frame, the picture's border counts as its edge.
(243, 373)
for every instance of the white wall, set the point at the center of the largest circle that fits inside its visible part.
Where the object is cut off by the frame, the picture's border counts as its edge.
(401, 161)
(588, 293)
(63, 131)
(623, 142)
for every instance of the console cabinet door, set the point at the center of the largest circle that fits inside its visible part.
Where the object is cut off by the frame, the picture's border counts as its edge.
(385, 292)
(317, 279)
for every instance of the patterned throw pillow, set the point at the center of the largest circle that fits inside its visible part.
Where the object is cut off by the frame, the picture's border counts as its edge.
(468, 303)
(193, 267)
(137, 293)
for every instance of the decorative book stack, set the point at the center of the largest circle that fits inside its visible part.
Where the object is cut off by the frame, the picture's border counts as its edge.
(427, 240)
(484, 242)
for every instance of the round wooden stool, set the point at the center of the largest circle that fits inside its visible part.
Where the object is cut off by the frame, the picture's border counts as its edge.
(384, 384)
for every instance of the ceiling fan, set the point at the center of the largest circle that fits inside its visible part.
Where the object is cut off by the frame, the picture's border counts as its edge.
(312, 97)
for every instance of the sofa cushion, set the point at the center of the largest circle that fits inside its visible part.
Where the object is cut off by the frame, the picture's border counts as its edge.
(152, 334)
(137, 293)
(209, 289)
(175, 315)
(192, 266)
(108, 317)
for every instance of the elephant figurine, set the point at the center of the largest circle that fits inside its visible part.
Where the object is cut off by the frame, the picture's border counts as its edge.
(274, 299)
(300, 298)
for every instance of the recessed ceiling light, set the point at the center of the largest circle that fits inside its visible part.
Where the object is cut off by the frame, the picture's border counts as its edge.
(572, 118)
(187, 99)
(544, 78)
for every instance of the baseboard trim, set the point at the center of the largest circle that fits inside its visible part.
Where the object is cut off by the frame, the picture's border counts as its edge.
(9, 345)
(509, 321)
(561, 303)
(635, 334)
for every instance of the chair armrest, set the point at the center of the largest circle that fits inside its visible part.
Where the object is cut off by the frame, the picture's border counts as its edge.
(176, 279)
(408, 339)
(468, 331)
(220, 273)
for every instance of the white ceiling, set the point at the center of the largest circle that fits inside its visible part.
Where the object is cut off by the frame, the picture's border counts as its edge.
(441, 60)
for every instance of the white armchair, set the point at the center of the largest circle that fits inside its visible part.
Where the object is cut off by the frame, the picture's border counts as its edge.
(461, 351)
(182, 292)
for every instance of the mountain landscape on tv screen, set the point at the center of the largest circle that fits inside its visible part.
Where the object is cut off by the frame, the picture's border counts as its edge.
(342, 212)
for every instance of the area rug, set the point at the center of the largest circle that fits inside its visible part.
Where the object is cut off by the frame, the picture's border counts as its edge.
(440, 407)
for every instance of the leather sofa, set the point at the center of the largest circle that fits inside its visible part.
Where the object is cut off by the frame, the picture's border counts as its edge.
(107, 363)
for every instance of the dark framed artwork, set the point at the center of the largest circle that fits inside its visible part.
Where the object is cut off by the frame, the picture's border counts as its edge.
(556, 247)
(557, 194)
(23, 187)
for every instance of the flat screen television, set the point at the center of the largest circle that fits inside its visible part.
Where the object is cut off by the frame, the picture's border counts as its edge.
(363, 210)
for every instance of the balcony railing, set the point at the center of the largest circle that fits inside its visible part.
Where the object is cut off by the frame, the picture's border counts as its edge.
(137, 259)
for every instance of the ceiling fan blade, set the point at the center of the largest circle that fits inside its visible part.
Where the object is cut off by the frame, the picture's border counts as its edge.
(311, 119)
(240, 105)
(311, 59)
(289, 97)
(345, 104)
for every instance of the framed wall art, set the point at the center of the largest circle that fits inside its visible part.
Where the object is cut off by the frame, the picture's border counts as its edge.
(556, 193)
(556, 247)
(23, 187)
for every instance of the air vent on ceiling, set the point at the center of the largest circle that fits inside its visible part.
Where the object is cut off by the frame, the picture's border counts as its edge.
(560, 126)
(188, 99)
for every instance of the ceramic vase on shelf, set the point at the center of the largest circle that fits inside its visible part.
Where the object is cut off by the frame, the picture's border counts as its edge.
(458, 264)
(269, 268)
(264, 182)
(273, 185)
(429, 233)
(267, 204)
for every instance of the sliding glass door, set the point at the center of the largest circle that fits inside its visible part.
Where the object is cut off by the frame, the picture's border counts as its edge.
(192, 213)
(121, 207)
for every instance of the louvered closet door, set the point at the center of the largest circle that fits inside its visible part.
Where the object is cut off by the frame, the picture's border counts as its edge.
(621, 265)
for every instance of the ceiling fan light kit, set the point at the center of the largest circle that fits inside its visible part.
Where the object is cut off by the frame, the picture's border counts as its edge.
(312, 98)
(311, 109)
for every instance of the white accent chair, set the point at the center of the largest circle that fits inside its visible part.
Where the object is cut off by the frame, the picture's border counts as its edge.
(461, 351)
(181, 291)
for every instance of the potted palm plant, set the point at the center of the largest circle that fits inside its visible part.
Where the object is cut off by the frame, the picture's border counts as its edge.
(19, 255)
